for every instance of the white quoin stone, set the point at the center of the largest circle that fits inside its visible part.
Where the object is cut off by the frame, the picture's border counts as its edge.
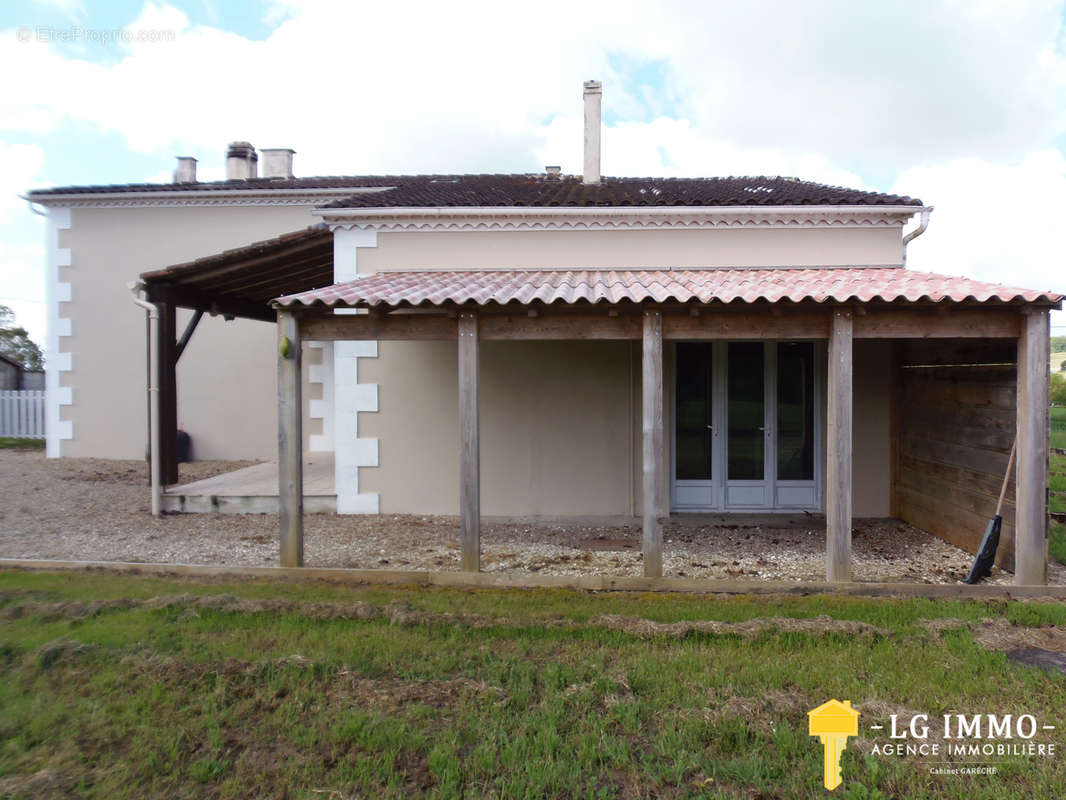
(277, 162)
(186, 170)
(242, 162)
(593, 97)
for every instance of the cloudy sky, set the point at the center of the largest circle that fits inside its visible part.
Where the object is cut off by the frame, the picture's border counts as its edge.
(961, 103)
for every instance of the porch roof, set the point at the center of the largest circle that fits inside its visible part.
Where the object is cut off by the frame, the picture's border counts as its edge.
(242, 282)
(607, 286)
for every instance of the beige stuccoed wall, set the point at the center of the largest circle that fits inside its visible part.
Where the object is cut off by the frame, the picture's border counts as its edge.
(560, 428)
(555, 428)
(560, 420)
(719, 247)
(227, 375)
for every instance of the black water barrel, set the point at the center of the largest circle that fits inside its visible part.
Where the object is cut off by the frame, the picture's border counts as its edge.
(184, 449)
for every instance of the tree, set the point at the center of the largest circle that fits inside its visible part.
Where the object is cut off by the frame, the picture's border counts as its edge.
(16, 343)
(1058, 389)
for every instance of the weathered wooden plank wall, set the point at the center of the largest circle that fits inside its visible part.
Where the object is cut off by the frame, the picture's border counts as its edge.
(956, 425)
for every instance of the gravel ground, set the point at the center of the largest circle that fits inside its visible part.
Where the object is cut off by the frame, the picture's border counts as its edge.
(99, 509)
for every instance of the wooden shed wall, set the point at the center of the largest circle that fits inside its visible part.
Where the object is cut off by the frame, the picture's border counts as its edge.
(955, 426)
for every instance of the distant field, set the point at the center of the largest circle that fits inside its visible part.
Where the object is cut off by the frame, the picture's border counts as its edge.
(1056, 361)
(1058, 427)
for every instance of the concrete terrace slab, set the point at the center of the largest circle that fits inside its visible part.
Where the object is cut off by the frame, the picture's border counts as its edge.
(254, 490)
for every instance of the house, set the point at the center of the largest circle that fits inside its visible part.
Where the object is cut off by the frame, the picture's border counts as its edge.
(552, 345)
(14, 376)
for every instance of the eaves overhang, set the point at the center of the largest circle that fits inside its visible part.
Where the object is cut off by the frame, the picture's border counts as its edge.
(616, 217)
(198, 197)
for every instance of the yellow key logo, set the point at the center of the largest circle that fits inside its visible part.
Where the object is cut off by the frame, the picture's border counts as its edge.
(833, 722)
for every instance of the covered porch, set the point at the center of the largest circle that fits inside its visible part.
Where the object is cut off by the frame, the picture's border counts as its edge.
(951, 344)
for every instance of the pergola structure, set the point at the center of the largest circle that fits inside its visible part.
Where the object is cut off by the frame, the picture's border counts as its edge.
(837, 306)
(237, 283)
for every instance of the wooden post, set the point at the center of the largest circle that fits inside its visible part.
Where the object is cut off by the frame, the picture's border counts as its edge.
(290, 442)
(167, 381)
(1031, 479)
(838, 446)
(652, 426)
(469, 443)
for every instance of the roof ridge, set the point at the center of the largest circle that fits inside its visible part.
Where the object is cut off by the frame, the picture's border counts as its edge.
(528, 189)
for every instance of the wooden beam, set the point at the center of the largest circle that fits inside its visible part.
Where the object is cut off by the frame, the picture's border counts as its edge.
(912, 323)
(717, 324)
(560, 325)
(710, 324)
(321, 260)
(395, 327)
(188, 297)
(1030, 521)
(838, 446)
(928, 352)
(167, 381)
(895, 428)
(290, 442)
(652, 427)
(190, 329)
(469, 443)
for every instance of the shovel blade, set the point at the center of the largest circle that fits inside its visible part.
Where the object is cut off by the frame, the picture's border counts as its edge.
(986, 554)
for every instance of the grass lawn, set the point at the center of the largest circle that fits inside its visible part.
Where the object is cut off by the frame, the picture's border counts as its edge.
(1058, 426)
(10, 443)
(397, 692)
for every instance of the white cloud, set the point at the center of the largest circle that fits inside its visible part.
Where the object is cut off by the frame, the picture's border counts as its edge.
(995, 222)
(19, 166)
(22, 286)
(442, 87)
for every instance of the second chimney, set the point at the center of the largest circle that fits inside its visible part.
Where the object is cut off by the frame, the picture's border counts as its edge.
(186, 171)
(277, 162)
(242, 162)
(593, 96)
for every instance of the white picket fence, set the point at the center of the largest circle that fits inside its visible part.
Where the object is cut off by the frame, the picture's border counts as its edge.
(22, 414)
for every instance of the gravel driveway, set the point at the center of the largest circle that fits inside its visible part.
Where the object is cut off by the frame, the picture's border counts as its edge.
(95, 509)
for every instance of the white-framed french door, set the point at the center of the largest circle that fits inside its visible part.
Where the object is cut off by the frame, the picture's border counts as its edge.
(747, 426)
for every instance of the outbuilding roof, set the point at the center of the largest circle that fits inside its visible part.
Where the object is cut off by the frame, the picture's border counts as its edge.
(744, 285)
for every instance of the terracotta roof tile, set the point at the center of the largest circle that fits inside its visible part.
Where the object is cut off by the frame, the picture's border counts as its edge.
(837, 284)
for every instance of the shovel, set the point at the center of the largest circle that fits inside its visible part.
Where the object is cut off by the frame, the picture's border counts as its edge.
(986, 555)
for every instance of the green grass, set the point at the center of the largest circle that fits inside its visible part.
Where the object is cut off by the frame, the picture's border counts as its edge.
(1057, 542)
(10, 443)
(135, 702)
(1058, 426)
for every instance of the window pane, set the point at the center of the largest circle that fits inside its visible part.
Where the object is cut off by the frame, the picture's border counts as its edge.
(746, 411)
(795, 411)
(693, 411)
